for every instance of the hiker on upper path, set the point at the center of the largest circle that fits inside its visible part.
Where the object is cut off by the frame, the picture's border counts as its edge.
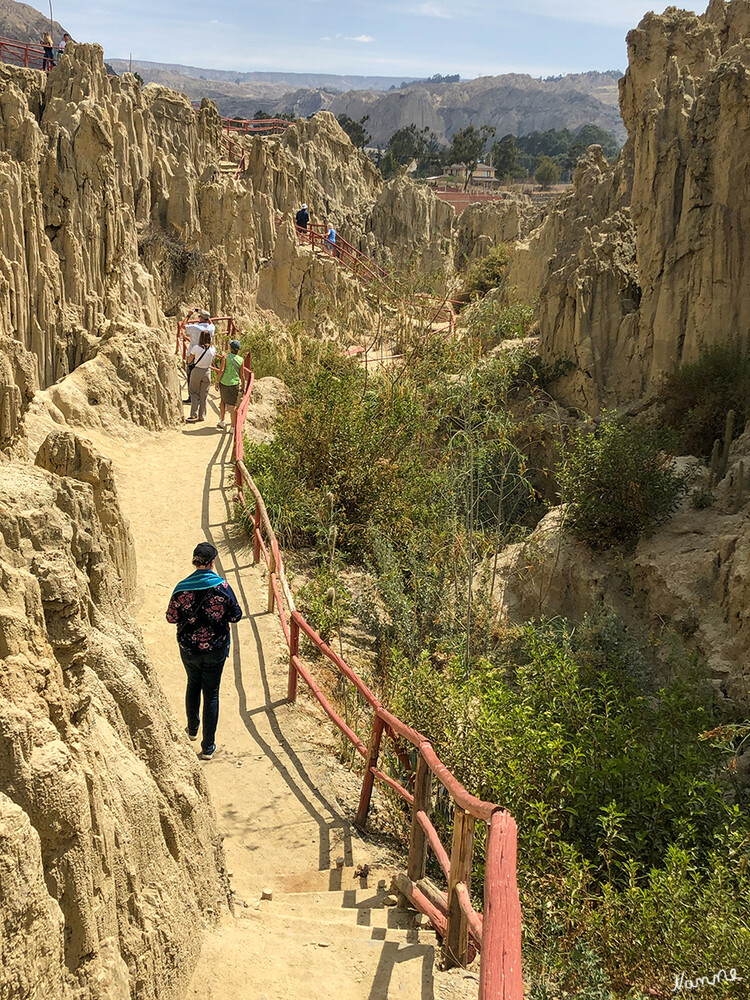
(199, 376)
(62, 46)
(330, 239)
(49, 55)
(231, 382)
(302, 219)
(202, 607)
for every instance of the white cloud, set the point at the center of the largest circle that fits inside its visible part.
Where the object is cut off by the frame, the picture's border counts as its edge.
(325, 38)
(358, 38)
(431, 10)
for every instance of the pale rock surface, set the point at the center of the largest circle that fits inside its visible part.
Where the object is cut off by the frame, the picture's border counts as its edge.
(109, 859)
(692, 573)
(482, 226)
(645, 260)
(414, 226)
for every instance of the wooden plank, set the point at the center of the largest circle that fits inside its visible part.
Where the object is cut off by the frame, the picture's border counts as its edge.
(500, 976)
(418, 899)
(417, 865)
(373, 752)
(456, 945)
(291, 688)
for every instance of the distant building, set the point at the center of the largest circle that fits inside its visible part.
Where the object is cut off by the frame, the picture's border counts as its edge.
(483, 175)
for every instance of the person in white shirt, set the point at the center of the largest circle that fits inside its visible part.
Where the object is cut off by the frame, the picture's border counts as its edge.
(201, 357)
(194, 329)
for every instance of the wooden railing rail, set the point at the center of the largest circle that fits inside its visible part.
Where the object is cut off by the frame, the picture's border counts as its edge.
(26, 54)
(496, 933)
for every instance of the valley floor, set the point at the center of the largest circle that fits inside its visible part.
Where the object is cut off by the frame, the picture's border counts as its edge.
(281, 797)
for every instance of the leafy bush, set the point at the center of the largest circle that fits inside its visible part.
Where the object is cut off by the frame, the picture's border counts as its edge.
(325, 602)
(697, 397)
(619, 483)
(486, 273)
(492, 322)
(631, 850)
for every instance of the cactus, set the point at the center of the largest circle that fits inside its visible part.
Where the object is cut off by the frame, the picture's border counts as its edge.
(720, 455)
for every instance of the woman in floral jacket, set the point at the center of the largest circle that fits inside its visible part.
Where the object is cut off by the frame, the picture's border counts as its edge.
(202, 607)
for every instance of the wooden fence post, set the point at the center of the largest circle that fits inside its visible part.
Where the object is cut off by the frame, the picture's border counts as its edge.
(500, 974)
(256, 534)
(373, 752)
(291, 691)
(456, 944)
(422, 802)
(271, 574)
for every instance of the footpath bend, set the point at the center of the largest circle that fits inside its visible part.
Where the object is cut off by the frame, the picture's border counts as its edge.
(276, 785)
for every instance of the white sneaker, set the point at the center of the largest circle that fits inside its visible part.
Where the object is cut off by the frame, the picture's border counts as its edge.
(222, 424)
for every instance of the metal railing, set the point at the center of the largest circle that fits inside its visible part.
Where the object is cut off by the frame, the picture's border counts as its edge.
(495, 933)
(25, 54)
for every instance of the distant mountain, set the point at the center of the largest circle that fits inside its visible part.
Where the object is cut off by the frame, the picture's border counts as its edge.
(18, 20)
(513, 102)
(153, 72)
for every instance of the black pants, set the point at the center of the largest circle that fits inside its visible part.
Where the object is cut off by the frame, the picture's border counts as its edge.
(203, 678)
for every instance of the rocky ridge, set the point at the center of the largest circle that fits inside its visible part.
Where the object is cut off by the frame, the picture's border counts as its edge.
(643, 261)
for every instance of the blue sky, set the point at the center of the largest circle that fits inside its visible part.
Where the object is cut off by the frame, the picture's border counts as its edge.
(385, 38)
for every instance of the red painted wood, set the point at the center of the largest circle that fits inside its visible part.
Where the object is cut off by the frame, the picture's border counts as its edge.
(373, 752)
(329, 710)
(291, 690)
(500, 975)
(434, 841)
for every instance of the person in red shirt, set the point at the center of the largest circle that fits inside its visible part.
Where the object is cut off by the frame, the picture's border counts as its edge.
(202, 607)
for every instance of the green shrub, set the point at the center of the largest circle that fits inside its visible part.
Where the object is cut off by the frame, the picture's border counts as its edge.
(697, 397)
(632, 854)
(619, 483)
(492, 322)
(325, 602)
(486, 273)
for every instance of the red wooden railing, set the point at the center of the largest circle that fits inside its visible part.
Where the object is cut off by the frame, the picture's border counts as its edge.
(429, 308)
(23, 54)
(496, 933)
(221, 337)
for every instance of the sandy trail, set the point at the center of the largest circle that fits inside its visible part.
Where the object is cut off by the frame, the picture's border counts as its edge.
(273, 780)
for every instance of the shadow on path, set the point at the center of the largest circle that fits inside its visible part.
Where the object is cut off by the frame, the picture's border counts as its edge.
(279, 752)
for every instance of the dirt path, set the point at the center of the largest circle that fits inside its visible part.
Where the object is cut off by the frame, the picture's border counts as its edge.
(274, 779)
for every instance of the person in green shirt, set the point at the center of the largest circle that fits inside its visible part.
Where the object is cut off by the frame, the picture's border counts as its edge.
(231, 381)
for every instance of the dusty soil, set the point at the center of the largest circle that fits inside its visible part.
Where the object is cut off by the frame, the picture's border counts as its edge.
(282, 799)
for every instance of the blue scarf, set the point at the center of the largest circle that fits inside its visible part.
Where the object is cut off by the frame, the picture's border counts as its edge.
(201, 579)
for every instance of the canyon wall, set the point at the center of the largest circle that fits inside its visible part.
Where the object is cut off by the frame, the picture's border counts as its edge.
(110, 863)
(115, 212)
(645, 260)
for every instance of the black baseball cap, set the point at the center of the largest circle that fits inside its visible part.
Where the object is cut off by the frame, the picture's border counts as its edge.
(204, 553)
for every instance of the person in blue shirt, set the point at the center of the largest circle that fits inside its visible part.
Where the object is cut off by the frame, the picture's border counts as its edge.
(330, 239)
(202, 607)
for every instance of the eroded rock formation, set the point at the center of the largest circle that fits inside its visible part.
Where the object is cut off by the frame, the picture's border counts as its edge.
(109, 857)
(646, 259)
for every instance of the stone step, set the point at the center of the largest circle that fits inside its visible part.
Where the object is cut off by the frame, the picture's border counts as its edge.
(330, 930)
(334, 879)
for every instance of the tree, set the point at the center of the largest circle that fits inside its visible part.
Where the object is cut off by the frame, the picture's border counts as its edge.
(355, 130)
(467, 146)
(574, 154)
(547, 172)
(407, 144)
(504, 158)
